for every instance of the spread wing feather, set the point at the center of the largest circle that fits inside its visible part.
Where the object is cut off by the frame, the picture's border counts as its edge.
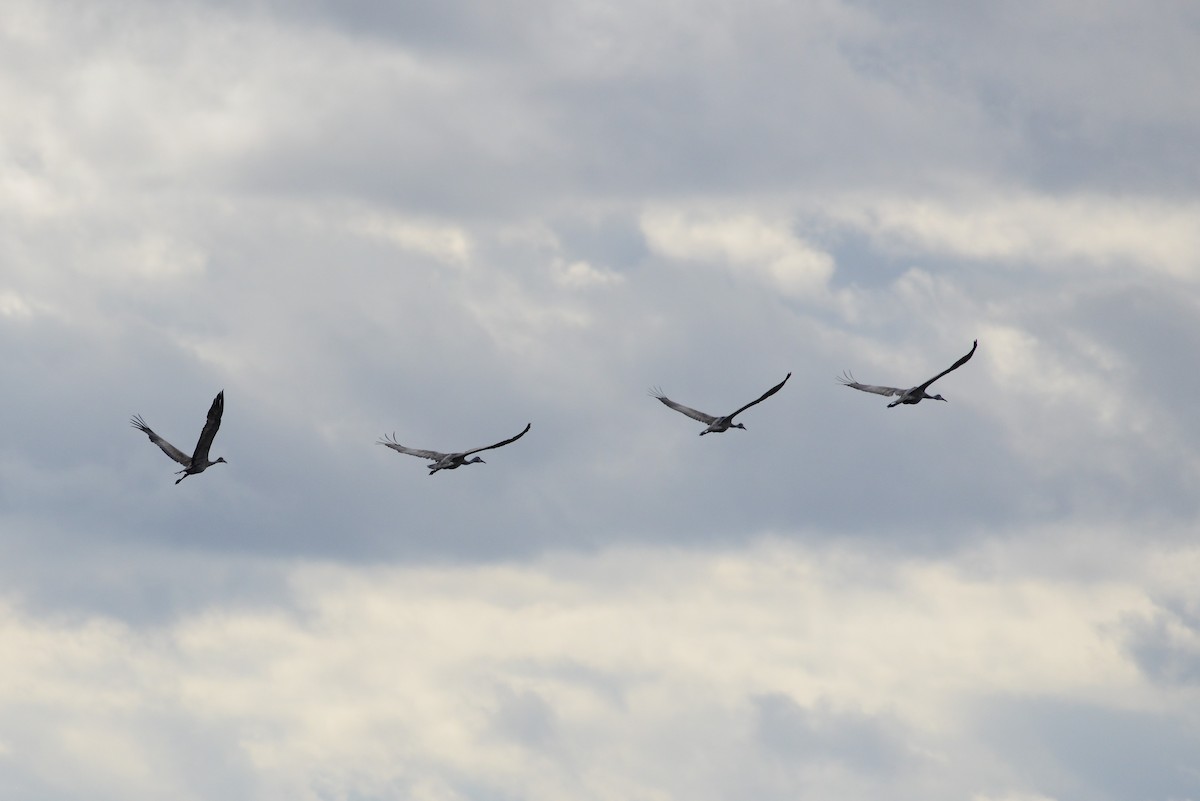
(848, 380)
(210, 428)
(707, 419)
(499, 444)
(170, 450)
(952, 367)
(396, 446)
(763, 397)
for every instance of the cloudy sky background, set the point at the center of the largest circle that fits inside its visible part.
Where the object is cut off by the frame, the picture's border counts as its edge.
(447, 220)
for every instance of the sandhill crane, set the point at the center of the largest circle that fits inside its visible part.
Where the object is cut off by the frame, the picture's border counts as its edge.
(717, 424)
(198, 462)
(913, 394)
(448, 461)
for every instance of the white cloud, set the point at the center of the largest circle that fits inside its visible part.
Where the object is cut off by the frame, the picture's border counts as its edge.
(158, 256)
(741, 243)
(14, 306)
(448, 244)
(579, 274)
(1037, 231)
(1057, 382)
(585, 676)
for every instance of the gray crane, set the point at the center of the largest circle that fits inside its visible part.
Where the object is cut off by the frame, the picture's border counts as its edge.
(717, 424)
(448, 461)
(198, 462)
(912, 394)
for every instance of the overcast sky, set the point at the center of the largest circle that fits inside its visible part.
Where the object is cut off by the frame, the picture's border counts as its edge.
(447, 220)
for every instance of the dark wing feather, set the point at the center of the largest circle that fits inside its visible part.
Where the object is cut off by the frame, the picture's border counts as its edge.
(952, 367)
(396, 446)
(499, 444)
(210, 429)
(170, 450)
(763, 397)
(707, 419)
(848, 381)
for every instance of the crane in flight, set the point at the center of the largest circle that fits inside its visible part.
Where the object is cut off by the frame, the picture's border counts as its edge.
(198, 462)
(447, 461)
(717, 424)
(912, 394)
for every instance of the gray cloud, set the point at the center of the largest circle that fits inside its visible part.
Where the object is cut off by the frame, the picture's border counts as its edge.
(1088, 751)
(526, 717)
(1166, 644)
(447, 222)
(802, 735)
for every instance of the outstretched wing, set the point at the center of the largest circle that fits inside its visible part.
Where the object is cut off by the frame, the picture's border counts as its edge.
(210, 429)
(707, 419)
(170, 450)
(396, 446)
(847, 380)
(763, 397)
(952, 367)
(499, 444)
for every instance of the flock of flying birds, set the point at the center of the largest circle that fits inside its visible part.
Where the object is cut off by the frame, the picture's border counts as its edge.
(198, 461)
